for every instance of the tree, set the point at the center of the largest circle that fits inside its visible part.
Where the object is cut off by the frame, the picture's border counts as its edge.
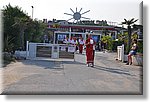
(22, 24)
(14, 24)
(8, 44)
(38, 31)
(107, 40)
(105, 31)
(129, 23)
(19, 27)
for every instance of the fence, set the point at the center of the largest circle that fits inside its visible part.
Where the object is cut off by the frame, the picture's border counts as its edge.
(50, 50)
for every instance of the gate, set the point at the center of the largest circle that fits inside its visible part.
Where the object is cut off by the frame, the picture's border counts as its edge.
(50, 50)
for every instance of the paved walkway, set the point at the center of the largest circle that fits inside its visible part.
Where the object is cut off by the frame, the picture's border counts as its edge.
(62, 76)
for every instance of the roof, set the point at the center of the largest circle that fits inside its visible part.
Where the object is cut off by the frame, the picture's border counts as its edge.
(90, 27)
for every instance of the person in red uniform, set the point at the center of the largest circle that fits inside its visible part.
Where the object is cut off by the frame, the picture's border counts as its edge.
(81, 43)
(89, 51)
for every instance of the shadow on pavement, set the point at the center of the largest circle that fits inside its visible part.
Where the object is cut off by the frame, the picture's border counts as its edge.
(49, 64)
(73, 62)
(113, 70)
(46, 64)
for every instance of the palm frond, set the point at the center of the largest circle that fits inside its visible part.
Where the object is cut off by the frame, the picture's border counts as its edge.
(132, 20)
(125, 20)
(135, 20)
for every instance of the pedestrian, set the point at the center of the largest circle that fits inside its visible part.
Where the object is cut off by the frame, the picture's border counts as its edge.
(132, 52)
(89, 51)
(66, 41)
(81, 44)
(73, 41)
(102, 46)
(99, 46)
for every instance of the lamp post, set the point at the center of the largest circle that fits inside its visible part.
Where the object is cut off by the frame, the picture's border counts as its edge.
(32, 11)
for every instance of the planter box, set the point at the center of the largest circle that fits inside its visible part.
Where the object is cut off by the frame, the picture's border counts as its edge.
(20, 54)
(137, 60)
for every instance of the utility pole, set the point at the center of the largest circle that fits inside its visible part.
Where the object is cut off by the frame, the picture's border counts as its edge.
(32, 11)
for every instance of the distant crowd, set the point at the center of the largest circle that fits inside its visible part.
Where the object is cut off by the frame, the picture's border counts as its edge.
(89, 44)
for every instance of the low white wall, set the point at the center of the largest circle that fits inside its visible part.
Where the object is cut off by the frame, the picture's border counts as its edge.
(20, 54)
(137, 60)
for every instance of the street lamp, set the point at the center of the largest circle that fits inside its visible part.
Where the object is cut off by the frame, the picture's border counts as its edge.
(32, 11)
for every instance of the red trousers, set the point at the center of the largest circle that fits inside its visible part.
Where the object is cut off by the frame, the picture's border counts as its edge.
(89, 56)
(80, 48)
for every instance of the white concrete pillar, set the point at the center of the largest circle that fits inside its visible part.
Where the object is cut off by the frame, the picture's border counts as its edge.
(122, 53)
(55, 51)
(54, 38)
(32, 50)
(69, 32)
(27, 49)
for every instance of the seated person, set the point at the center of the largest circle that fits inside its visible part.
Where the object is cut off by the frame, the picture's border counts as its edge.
(132, 52)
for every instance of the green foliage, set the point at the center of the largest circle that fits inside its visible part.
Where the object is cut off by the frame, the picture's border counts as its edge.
(11, 18)
(8, 58)
(108, 41)
(140, 46)
(115, 44)
(38, 30)
(134, 36)
(19, 27)
(8, 44)
(129, 23)
(124, 39)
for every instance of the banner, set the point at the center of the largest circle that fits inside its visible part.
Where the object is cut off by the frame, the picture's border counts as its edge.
(61, 37)
(63, 48)
(71, 48)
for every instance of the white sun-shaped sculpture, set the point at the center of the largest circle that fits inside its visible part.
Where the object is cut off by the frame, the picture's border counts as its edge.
(77, 15)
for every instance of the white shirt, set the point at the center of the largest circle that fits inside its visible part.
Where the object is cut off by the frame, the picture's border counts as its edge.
(93, 47)
(91, 41)
(81, 41)
(73, 42)
(66, 41)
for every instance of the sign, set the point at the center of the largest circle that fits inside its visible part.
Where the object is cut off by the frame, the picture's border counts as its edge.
(61, 37)
(63, 48)
(95, 38)
(55, 52)
(55, 48)
(71, 48)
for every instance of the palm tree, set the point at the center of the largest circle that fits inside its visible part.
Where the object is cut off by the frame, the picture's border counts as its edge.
(22, 23)
(129, 23)
(15, 23)
(8, 45)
